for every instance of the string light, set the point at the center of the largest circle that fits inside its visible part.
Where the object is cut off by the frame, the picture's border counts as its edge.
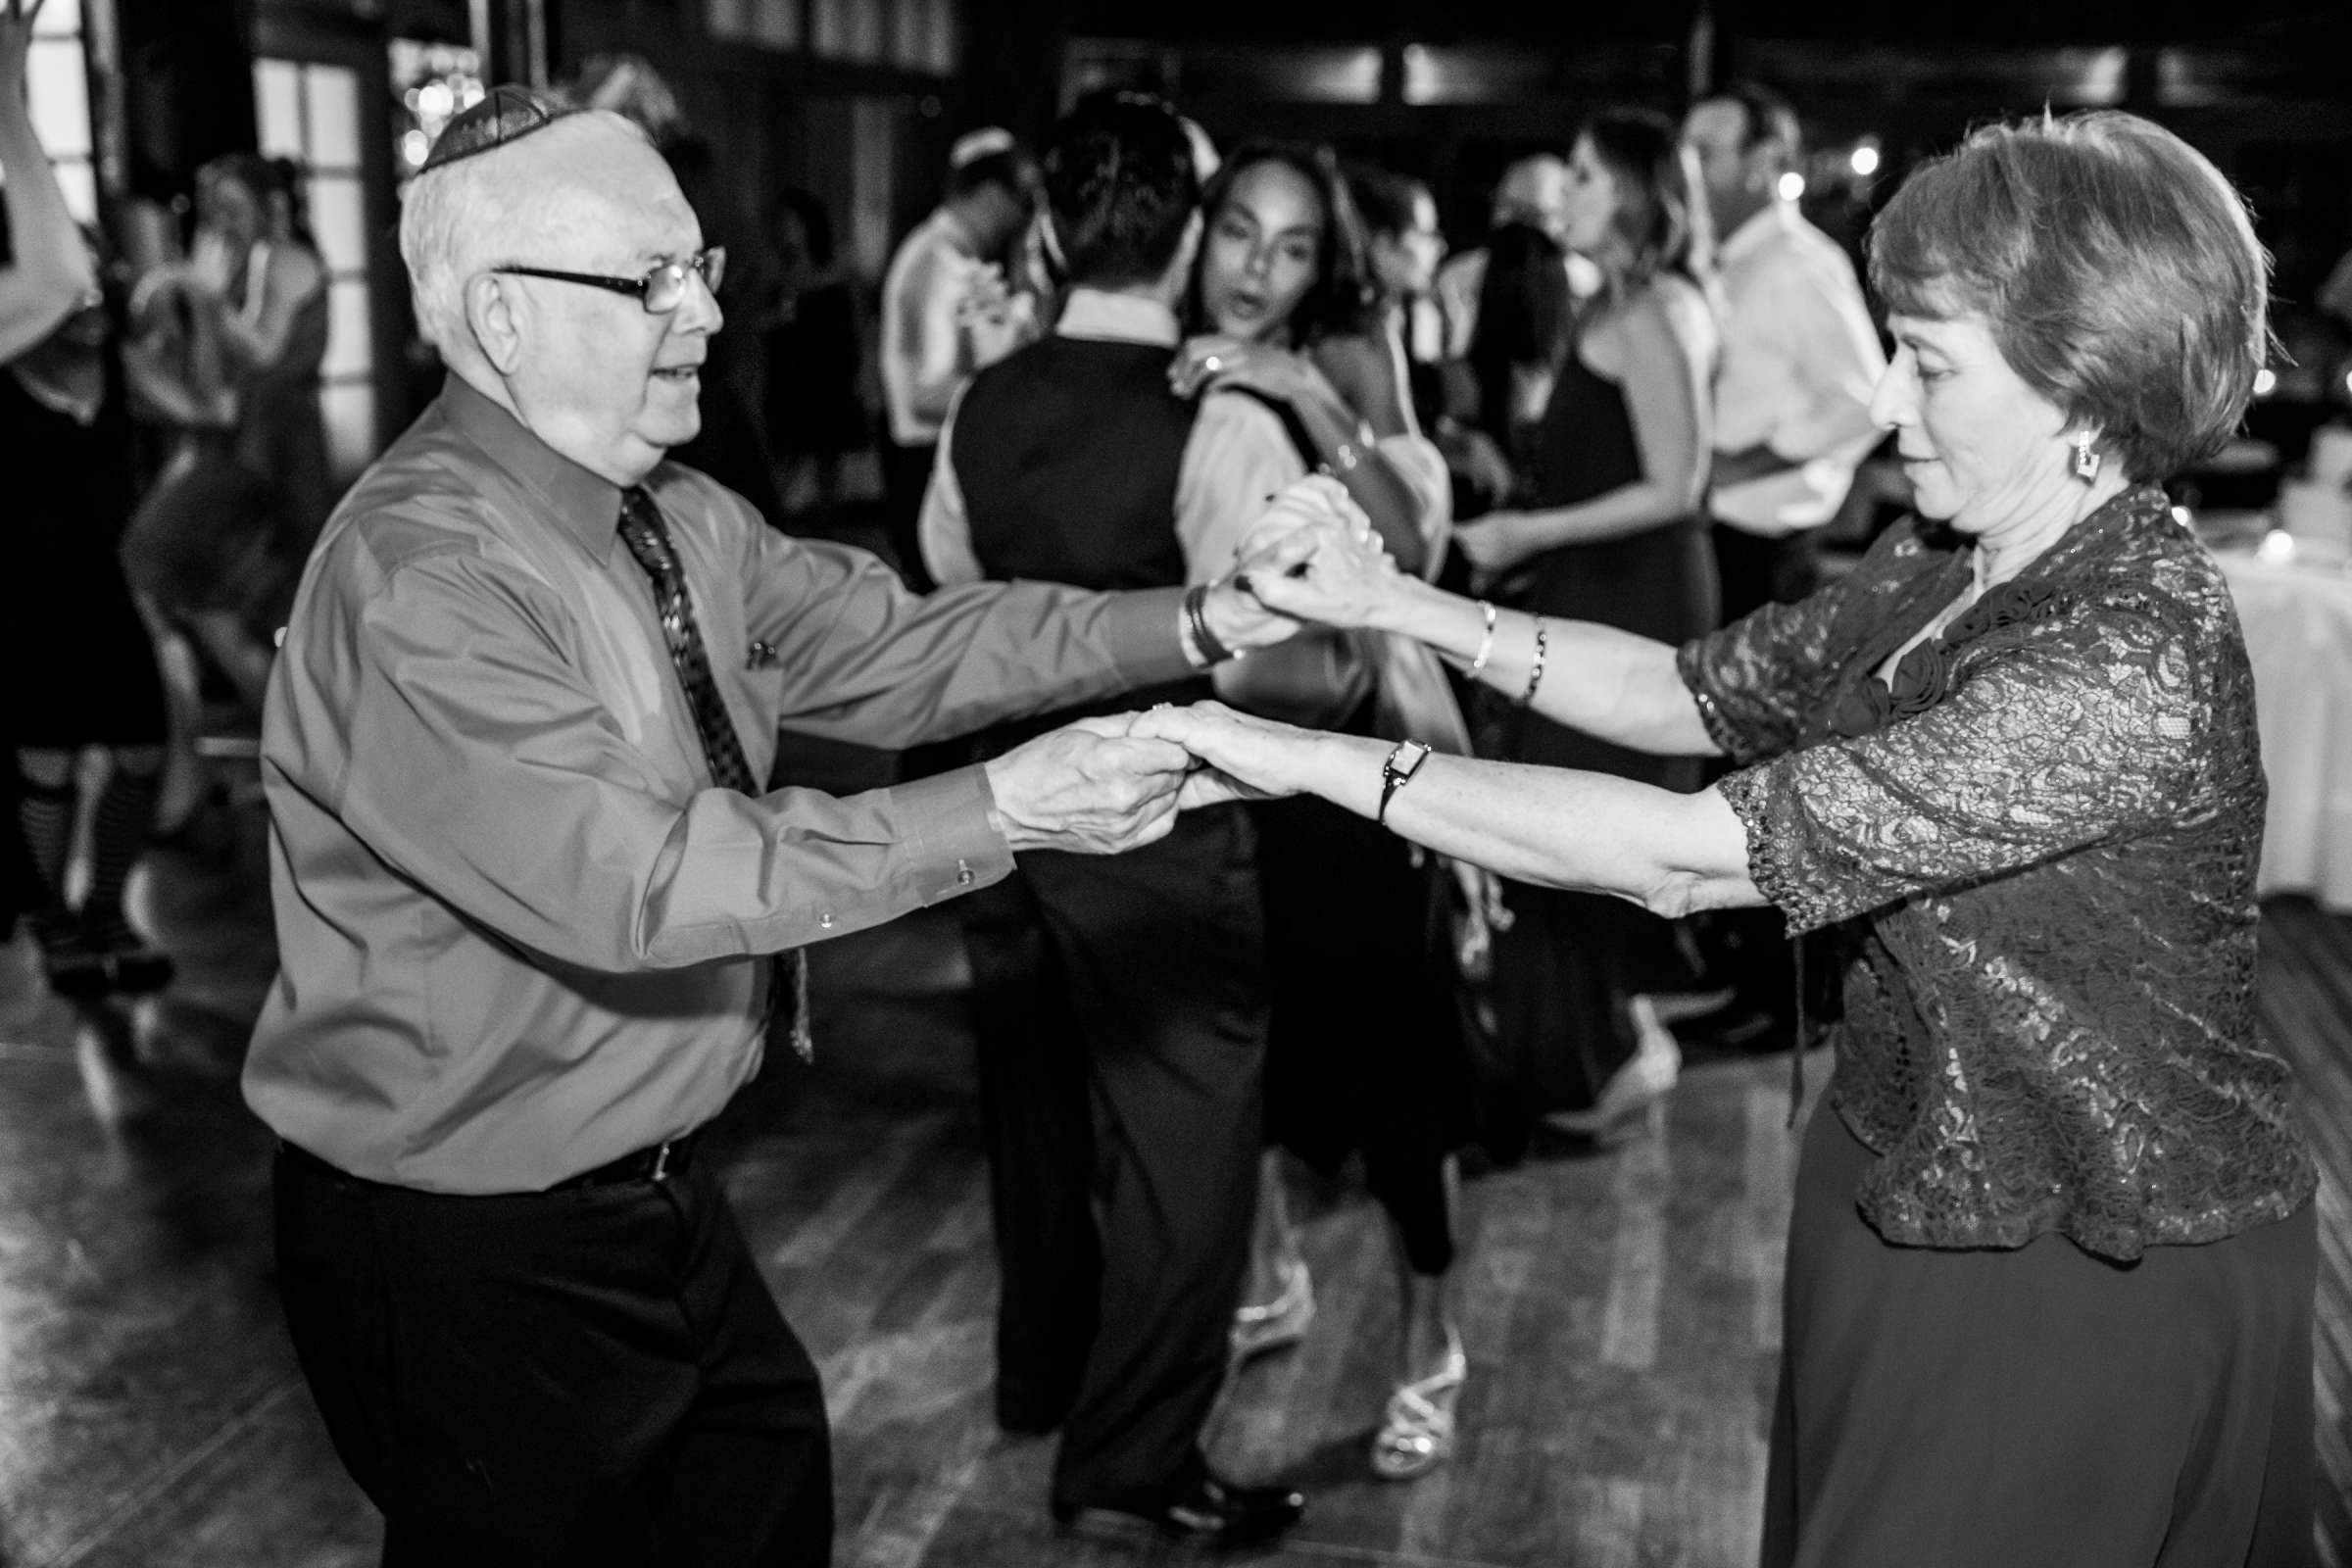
(1865, 160)
(443, 81)
(1792, 186)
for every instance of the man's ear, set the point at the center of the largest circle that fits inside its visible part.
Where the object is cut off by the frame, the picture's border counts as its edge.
(491, 316)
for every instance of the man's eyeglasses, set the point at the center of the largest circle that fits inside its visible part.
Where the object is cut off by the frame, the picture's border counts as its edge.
(660, 291)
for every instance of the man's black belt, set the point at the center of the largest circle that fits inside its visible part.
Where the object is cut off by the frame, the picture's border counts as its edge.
(659, 1162)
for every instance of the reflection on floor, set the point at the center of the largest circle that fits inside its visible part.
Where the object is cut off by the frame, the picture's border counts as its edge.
(1620, 1311)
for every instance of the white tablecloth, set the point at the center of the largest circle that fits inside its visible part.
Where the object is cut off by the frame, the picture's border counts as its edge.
(2298, 624)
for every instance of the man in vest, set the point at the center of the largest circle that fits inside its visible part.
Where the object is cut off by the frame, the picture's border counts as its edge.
(1123, 1022)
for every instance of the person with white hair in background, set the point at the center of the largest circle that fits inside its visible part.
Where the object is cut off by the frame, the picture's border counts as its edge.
(527, 887)
(945, 317)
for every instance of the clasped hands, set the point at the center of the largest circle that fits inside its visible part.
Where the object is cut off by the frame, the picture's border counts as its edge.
(1101, 786)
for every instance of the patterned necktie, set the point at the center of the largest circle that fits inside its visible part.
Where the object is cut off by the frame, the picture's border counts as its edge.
(648, 538)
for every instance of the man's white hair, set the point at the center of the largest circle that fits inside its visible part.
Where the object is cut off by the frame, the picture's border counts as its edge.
(469, 217)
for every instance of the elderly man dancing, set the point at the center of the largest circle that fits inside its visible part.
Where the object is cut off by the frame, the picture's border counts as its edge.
(526, 880)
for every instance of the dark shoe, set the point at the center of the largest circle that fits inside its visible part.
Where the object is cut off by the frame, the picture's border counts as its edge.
(1210, 1512)
(133, 965)
(139, 970)
(69, 961)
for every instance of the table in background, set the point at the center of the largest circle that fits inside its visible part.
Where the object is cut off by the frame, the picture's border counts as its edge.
(2297, 616)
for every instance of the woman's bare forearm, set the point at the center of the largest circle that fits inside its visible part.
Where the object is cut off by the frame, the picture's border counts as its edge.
(1554, 827)
(1611, 684)
(1620, 514)
(52, 269)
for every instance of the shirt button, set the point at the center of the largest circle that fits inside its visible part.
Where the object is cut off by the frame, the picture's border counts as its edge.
(964, 873)
(824, 921)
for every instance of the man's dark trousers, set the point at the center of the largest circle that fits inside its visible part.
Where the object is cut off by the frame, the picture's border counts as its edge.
(1156, 961)
(596, 1376)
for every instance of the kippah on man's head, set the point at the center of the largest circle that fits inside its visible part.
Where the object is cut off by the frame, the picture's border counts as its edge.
(974, 145)
(506, 114)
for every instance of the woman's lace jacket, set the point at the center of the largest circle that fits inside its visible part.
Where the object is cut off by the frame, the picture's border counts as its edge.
(2031, 859)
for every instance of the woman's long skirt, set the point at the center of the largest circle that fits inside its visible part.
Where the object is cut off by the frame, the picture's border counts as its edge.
(2037, 1407)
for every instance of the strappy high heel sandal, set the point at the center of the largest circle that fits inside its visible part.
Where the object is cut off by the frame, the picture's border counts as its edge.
(1635, 1094)
(1271, 1325)
(1416, 1433)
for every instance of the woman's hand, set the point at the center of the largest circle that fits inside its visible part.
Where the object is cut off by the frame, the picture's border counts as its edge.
(1243, 757)
(1497, 542)
(1215, 360)
(211, 265)
(1343, 576)
(1472, 453)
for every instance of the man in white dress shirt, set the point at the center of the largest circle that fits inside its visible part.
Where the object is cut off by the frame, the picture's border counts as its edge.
(932, 341)
(1800, 357)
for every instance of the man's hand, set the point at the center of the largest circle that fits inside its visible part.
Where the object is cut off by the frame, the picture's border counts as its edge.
(1087, 788)
(1311, 520)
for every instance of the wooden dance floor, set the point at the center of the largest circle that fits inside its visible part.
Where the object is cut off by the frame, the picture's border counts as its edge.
(1621, 1310)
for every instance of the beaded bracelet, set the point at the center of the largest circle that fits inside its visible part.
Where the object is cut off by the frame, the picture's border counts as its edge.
(1486, 641)
(1534, 668)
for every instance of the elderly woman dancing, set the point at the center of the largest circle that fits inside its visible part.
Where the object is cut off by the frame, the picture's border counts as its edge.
(2051, 1258)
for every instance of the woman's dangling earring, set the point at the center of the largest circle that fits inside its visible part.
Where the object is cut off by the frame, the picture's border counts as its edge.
(2086, 461)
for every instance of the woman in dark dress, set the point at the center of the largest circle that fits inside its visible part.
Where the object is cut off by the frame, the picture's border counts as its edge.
(83, 671)
(1365, 1052)
(1610, 439)
(2052, 1251)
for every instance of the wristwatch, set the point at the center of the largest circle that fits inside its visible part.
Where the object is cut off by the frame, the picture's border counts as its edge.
(1403, 764)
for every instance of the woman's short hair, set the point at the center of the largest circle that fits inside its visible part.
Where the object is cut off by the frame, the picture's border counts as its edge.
(1660, 210)
(1340, 301)
(2116, 267)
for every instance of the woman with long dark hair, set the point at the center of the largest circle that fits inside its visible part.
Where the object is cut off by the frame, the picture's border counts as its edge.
(1366, 1053)
(85, 672)
(1606, 415)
